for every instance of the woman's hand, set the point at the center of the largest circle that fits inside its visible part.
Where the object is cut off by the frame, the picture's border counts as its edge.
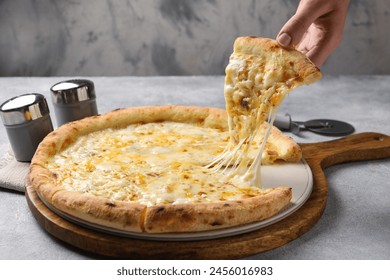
(316, 28)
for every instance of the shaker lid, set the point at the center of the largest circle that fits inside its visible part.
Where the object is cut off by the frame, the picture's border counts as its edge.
(73, 91)
(23, 108)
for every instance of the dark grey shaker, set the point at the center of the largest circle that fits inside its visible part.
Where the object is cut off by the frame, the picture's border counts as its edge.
(27, 121)
(74, 100)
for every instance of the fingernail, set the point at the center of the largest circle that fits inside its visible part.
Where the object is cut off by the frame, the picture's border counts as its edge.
(284, 39)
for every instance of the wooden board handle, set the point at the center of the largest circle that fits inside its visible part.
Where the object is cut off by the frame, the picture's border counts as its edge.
(363, 146)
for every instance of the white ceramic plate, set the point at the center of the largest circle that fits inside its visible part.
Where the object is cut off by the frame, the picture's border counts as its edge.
(295, 175)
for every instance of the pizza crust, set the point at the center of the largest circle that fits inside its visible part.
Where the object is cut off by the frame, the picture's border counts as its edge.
(100, 210)
(307, 72)
(279, 147)
(216, 215)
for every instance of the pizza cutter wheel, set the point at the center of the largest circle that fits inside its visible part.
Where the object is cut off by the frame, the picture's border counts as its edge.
(326, 127)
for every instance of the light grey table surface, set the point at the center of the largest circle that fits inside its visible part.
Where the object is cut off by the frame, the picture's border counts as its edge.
(356, 221)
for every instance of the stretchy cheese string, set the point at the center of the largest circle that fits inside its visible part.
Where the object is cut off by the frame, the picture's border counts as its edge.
(254, 170)
(246, 169)
(245, 125)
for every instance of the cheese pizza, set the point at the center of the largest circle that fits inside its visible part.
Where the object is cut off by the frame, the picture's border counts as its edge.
(148, 169)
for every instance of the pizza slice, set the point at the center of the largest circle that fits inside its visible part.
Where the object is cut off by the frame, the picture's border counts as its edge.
(259, 75)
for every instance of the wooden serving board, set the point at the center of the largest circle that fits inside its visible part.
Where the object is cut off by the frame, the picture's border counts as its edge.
(364, 146)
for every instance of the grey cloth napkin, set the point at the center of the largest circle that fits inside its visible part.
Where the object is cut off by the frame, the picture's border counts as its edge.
(13, 173)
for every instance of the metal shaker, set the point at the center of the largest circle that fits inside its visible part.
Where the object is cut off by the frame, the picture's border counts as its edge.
(73, 100)
(27, 121)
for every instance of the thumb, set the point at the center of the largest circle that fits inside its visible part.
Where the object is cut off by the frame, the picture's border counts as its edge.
(294, 29)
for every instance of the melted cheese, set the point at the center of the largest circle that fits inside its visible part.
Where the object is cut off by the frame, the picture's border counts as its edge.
(150, 163)
(254, 88)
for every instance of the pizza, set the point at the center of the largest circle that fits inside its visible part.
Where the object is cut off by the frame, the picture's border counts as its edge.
(152, 169)
(143, 170)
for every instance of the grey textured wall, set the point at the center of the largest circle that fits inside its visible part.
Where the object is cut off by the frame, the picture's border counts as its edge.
(167, 37)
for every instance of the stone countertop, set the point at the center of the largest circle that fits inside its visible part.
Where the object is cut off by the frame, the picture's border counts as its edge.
(356, 221)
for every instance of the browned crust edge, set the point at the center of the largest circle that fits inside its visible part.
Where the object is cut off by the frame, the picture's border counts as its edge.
(101, 211)
(260, 46)
(288, 149)
(216, 215)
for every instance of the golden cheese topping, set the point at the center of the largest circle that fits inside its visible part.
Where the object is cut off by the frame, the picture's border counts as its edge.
(252, 90)
(149, 163)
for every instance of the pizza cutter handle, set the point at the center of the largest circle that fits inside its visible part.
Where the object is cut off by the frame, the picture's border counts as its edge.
(362, 146)
(283, 122)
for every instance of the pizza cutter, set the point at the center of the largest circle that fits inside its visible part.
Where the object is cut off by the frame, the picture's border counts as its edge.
(326, 127)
